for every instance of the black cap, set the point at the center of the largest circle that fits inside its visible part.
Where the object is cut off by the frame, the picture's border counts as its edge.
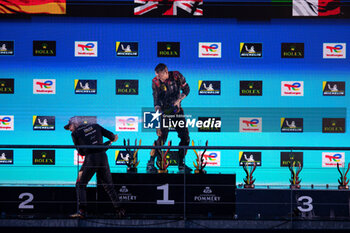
(72, 120)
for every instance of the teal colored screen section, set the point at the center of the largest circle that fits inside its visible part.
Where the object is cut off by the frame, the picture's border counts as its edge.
(230, 69)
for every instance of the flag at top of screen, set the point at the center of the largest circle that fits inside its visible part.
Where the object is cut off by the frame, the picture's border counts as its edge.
(56, 7)
(316, 7)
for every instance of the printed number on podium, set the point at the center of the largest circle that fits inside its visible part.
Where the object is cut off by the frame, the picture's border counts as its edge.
(28, 197)
(306, 204)
(165, 200)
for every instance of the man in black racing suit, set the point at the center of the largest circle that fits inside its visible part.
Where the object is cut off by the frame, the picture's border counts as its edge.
(169, 89)
(96, 161)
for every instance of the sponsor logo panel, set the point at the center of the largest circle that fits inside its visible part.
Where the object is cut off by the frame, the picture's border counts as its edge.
(7, 86)
(6, 156)
(250, 124)
(290, 157)
(330, 159)
(209, 87)
(127, 49)
(127, 123)
(208, 196)
(292, 125)
(43, 157)
(333, 88)
(125, 194)
(7, 48)
(292, 50)
(168, 49)
(249, 158)
(333, 125)
(7, 123)
(44, 48)
(127, 87)
(292, 88)
(85, 49)
(173, 158)
(43, 123)
(250, 88)
(334, 50)
(82, 86)
(250, 49)
(209, 49)
(212, 158)
(44, 86)
(121, 157)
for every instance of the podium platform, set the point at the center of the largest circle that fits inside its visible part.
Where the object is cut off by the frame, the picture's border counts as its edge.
(172, 198)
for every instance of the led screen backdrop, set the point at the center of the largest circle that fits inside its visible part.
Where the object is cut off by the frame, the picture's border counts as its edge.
(282, 82)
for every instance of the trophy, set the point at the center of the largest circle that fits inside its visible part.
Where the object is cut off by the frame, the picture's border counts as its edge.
(343, 180)
(200, 161)
(162, 163)
(249, 169)
(294, 180)
(131, 159)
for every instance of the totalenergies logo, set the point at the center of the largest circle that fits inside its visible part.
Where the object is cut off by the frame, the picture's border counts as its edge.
(211, 157)
(47, 84)
(128, 122)
(210, 48)
(251, 123)
(86, 47)
(5, 121)
(335, 49)
(334, 158)
(295, 86)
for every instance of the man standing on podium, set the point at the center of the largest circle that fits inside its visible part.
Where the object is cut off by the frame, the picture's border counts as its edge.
(169, 89)
(96, 161)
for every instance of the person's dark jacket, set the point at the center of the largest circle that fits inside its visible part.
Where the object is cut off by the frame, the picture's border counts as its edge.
(90, 134)
(166, 93)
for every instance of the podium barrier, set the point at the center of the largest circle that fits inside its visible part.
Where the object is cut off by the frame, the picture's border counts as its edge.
(161, 196)
(179, 196)
(174, 195)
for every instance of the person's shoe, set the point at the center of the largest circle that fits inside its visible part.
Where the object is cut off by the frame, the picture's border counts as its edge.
(80, 215)
(120, 212)
(184, 169)
(151, 168)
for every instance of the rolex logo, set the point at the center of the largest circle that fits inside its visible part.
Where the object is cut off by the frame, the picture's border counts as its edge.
(6, 86)
(250, 88)
(168, 49)
(292, 50)
(44, 48)
(43, 157)
(127, 87)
